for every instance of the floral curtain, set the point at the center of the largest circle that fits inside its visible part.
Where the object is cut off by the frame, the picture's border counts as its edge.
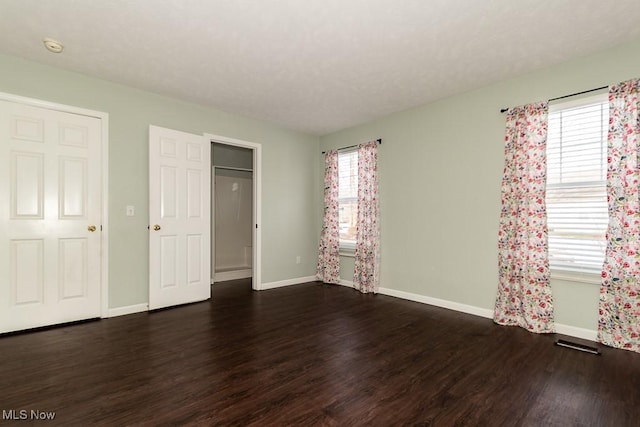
(524, 294)
(367, 257)
(328, 254)
(619, 311)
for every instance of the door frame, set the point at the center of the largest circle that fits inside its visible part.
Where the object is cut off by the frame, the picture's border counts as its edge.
(104, 178)
(257, 202)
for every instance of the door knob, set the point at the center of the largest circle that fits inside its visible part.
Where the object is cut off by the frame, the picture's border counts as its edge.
(91, 228)
(156, 227)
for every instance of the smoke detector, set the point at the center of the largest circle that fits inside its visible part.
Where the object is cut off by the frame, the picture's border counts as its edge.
(53, 45)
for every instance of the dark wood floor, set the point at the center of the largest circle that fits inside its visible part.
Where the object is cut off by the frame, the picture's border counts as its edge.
(311, 355)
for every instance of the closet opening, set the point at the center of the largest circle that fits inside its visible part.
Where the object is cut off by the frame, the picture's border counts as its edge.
(232, 212)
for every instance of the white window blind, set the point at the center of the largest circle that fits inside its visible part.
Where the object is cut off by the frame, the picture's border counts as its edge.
(576, 185)
(348, 197)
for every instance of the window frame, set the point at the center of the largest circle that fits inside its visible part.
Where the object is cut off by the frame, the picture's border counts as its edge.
(348, 247)
(576, 275)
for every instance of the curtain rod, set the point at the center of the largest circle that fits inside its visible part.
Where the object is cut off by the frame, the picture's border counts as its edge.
(352, 146)
(504, 110)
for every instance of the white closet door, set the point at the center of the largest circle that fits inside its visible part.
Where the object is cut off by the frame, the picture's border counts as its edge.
(50, 233)
(179, 217)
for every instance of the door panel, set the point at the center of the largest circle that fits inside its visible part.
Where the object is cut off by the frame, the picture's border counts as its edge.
(168, 260)
(50, 195)
(27, 198)
(72, 265)
(194, 194)
(73, 188)
(27, 285)
(194, 259)
(168, 189)
(179, 213)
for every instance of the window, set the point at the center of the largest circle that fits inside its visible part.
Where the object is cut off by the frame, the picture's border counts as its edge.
(576, 187)
(348, 197)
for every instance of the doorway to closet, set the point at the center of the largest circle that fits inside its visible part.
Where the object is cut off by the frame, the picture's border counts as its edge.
(232, 211)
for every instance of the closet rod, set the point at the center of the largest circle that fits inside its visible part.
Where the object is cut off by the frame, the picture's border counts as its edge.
(230, 168)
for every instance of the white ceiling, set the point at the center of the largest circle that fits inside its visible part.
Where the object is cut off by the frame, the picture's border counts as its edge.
(312, 65)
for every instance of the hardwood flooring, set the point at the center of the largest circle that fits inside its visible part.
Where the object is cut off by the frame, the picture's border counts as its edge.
(311, 355)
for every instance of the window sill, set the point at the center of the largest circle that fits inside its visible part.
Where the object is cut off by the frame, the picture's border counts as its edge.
(572, 276)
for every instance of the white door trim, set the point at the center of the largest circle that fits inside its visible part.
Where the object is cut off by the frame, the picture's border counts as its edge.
(257, 201)
(104, 118)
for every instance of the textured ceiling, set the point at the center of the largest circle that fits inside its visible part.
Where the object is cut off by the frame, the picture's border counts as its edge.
(312, 65)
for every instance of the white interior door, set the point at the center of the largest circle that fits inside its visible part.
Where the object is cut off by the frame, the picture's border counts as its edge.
(50, 207)
(179, 217)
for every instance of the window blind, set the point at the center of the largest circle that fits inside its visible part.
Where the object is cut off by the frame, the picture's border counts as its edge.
(348, 197)
(576, 186)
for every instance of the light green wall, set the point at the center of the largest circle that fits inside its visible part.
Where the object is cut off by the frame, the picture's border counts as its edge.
(440, 169)
(289, 170)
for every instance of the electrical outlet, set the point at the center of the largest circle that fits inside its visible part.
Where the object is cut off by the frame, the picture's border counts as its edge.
(298, 259)
(131, 210)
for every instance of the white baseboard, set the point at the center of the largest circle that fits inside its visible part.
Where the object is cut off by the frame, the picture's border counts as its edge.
(129, 309)
(563, 329)
(573, 331)
(288, 282)
(451, 305)
(232, 275)
(347, 283)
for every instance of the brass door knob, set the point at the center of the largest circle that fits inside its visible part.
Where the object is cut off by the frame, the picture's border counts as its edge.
(91, 228)
(156, 227)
